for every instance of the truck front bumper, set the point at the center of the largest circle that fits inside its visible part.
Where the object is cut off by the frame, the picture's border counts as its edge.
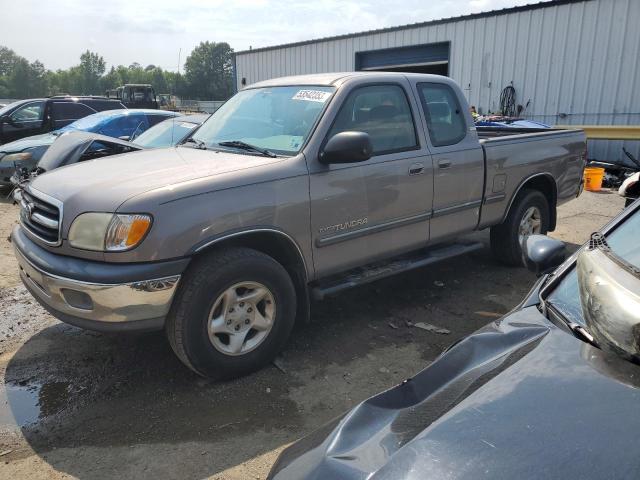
(95, 295)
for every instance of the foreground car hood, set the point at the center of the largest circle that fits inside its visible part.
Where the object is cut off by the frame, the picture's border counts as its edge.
(68, 148)
(120, 177)
(518, 399)
(28, 142)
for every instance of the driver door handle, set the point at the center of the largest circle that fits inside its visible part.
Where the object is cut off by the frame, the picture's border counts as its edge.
(444, 163)
(416, 169)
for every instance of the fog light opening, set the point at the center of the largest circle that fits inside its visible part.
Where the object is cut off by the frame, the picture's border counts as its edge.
(77, 299)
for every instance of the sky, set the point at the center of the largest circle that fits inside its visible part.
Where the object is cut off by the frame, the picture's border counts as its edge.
(154, 32)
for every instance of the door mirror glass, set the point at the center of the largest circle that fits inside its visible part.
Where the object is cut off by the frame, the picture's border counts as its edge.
(347, 147)
(542, 254)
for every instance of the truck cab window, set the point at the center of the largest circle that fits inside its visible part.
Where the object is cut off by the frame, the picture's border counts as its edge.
(383, 112)
(445, 118)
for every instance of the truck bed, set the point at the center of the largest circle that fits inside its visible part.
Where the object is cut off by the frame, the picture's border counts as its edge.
(513, 156)
(492, 132)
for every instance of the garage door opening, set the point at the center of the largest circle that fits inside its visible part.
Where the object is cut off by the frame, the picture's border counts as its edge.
(439, 68)
(428, 58)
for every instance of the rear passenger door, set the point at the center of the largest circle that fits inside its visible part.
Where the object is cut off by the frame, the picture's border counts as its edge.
(458, 161)
(364, 211)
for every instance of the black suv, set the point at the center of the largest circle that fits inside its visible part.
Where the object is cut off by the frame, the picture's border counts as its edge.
(40, 115)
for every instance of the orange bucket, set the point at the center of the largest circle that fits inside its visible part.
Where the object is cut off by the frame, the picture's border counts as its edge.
(593, 178)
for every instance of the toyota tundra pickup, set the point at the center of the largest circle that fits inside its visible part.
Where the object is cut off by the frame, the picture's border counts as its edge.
(296, 188)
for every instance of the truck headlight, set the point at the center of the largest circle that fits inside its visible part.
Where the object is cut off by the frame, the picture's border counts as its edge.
(108, 231)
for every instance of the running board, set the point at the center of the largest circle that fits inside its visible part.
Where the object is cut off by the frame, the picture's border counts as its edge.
(379, 270)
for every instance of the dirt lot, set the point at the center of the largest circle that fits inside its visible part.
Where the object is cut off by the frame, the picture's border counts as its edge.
(87, 405)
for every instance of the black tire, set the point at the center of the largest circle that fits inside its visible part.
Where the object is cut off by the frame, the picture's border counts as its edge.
(202, 284)
(505, 244)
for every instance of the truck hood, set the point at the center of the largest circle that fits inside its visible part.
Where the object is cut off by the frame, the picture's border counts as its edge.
(104, 184)
(518, 399)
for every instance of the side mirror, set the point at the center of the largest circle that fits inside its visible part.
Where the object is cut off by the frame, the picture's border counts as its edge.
(347, 147)
(542, 254)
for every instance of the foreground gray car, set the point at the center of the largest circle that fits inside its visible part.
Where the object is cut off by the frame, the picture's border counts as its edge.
(540, 393)
(295, 189)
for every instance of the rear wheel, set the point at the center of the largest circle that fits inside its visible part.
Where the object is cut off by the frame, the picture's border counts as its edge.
(234, 312)
(529, 214)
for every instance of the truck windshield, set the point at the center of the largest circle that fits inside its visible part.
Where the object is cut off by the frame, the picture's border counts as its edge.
(279, 119)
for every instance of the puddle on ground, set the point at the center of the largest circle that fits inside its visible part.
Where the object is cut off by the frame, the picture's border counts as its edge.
(22, 405)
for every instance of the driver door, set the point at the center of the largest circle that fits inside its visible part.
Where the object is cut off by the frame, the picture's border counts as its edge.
(365, 211)
(25, 121)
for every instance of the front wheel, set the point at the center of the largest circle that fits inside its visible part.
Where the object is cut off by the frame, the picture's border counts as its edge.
(233, 313)
(529, 214)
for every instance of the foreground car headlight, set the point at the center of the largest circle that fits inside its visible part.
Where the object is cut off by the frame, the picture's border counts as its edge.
(17, 157)
(108, 232)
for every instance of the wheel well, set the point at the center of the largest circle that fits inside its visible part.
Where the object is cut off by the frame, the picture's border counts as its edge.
(547, 186)
(282, 249)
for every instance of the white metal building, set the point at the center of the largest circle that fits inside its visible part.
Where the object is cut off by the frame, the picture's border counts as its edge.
(570, 61)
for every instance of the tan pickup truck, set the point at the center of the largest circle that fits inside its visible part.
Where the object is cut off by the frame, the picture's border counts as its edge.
(294, 189)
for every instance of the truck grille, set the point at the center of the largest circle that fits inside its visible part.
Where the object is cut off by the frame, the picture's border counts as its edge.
(41, 217)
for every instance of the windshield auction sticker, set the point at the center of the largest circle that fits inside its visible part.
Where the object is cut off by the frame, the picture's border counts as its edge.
(312, 95)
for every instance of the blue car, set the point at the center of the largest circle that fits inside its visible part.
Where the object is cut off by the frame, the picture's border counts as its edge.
(510, 123)
(127, 124)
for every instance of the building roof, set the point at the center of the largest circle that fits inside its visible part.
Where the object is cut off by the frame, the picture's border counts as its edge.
(490, 13)
(337, 78)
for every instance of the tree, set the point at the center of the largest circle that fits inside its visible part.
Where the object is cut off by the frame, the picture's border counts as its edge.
(19, 79)
(124, 74)
(208, 71)
(92, 67)
(158, 79)
(8, 58)
(208, 74)
(111, 80)
(38, 79)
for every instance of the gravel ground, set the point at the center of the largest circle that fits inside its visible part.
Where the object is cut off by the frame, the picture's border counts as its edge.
(86, 405)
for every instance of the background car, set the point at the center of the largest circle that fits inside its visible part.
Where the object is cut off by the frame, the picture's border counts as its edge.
(507, 122)
(123, 123)
(40, 115)
(76, 147)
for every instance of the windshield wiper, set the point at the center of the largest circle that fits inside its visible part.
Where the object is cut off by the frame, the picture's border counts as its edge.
(247, 146)
(581, 332)
(578, 330)
(198, 143)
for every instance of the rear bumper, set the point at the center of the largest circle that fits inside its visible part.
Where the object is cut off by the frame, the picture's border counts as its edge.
(101, 302)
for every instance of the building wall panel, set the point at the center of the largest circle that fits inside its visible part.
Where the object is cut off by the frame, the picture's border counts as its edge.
(575, 63)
